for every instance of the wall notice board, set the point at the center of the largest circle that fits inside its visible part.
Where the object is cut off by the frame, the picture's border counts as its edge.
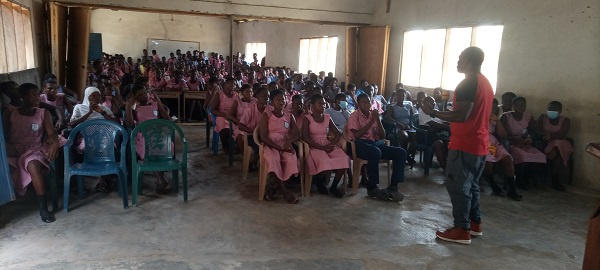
(164, 47)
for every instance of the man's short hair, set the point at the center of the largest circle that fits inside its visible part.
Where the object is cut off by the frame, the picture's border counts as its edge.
(475, 55)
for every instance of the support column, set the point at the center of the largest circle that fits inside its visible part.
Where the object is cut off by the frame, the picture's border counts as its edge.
(78, 46)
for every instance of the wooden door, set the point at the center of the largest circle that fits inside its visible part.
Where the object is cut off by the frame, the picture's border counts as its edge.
(58, 40)
(367, 54)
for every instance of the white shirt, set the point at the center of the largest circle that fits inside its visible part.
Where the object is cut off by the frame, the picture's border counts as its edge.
(425, 118)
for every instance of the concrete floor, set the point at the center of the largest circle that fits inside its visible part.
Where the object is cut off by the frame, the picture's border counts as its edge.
(224, 226)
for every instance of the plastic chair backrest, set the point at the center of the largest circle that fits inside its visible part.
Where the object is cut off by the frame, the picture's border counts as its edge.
(100, 136)
(159, 137)
(256, 136)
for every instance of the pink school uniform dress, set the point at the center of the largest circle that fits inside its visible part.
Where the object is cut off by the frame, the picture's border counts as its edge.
(319, 160)
(57, 102)
(282, 164)
(143, 113)
(500, 150)
(242, 107)
(526, 154)
(564, 147)
(26, 134)
(252, 115)
(193, 86)
(225, 104)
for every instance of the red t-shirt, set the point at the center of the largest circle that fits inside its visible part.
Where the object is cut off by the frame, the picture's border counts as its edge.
(471, 136)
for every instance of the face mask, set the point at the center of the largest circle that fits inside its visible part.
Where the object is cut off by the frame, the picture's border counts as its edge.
(552, 114)
(344, 104)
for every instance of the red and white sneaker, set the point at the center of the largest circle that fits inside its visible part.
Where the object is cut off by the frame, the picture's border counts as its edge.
(456, 235)
(476, 229)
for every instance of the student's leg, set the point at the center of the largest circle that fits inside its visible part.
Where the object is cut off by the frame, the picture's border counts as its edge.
(291, 199)
(412, 147)
(161, 183)
(37, 179)
(239, 141)
(557, 168)
(334, 185)
(489, 176)
(398, 157)
(509, 178)
(403, 137)
(224, 136)
(440, 153)
(367, 151)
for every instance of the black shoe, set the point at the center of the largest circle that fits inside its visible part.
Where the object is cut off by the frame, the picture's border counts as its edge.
(47, 216)
(336, 192)
(514, 195)
(379, 194)
(394, 195)
(321, 187)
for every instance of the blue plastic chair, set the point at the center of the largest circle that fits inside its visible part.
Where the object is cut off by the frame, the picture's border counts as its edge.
(99, 157)
(159, 135)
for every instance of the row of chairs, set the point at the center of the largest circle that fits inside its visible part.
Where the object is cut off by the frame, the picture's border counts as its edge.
(103, 137)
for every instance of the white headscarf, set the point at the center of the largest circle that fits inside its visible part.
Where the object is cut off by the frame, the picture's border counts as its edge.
(83, 108)
(88, 93)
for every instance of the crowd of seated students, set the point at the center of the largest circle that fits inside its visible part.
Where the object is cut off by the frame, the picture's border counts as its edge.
(286, 107)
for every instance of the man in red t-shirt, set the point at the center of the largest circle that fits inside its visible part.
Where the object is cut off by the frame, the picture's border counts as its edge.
(468, 145)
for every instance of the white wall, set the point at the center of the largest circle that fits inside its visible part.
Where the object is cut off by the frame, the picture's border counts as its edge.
(550, 51)
(126, 32)
(283, 41)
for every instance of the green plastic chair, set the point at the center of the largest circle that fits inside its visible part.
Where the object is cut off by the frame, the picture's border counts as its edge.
(159, 137)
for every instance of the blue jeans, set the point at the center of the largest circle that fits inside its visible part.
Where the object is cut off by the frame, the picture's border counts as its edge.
(462, 183)
(373, 151)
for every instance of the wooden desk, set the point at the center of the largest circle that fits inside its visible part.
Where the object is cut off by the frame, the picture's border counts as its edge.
(173, 95)
(193, 95)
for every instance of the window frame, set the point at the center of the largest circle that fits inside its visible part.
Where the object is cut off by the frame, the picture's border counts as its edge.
(447, 65)
(17, 48)
(307, 55)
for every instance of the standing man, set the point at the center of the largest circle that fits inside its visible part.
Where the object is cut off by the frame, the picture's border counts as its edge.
(468, 145)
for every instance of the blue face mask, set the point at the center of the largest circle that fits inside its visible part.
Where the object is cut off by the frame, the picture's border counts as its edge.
(552, 114)
(344, 104)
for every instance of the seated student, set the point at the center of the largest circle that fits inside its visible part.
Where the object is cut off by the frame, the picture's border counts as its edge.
(298, 110)
(51, 96)
(331, 91)
(325, 154)
(519, 127)
(236, 112)
(211, 88)
(438, 132)
(400, 114)
(298, 85)
(375, 105)
(380, 98)
(113, 102)
(507, 101)
(11, 99)
(90, 109)
(498, 154)
(62, 89)
(220, 106)
(28, 154)
(139, 108)
(278, 131)
(366, 130)
(351, 97)
(338, 113)
(555, 128)
(251, 117)
(363, 85)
